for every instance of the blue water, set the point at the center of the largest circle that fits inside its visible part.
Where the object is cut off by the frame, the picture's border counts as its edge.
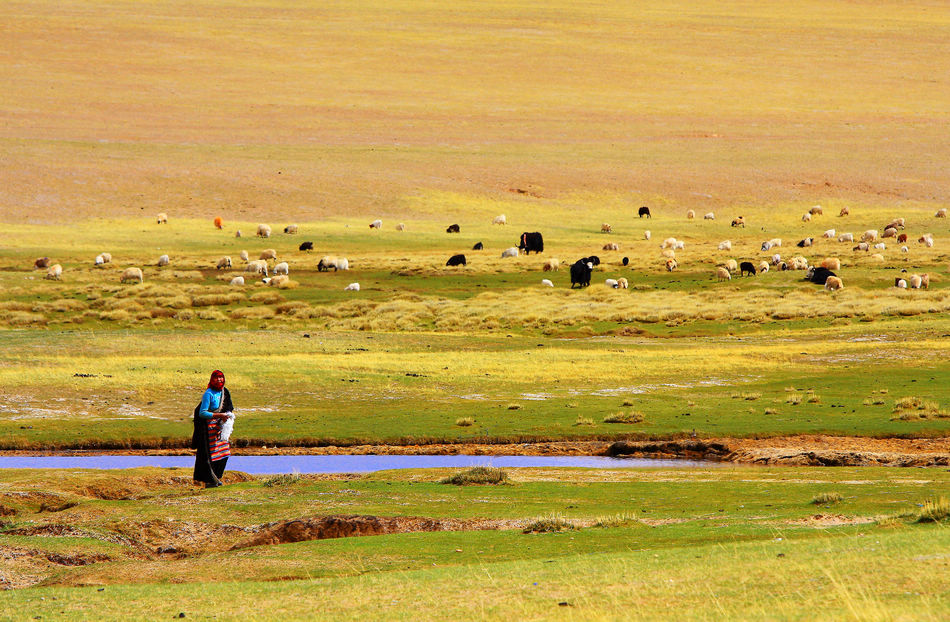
(340, 464)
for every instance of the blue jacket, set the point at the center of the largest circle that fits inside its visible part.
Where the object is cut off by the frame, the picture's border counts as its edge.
(210, 401)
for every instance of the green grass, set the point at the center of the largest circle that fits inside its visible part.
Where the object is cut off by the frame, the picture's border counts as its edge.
(477, 475)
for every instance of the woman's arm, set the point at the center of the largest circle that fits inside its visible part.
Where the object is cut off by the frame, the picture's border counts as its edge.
(205, 409)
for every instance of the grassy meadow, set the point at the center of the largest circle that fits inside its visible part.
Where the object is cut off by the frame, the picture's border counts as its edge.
(563, 117)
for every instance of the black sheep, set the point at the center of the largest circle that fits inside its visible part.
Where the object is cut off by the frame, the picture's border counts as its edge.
(478, 246)
(746, 266)
(306, 246)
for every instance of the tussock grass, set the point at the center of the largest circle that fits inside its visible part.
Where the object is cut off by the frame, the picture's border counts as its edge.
(625, 417)
(827, 498)
(623, 519)
(480, 475)
(266, 297)
(583, 421)
(464, 422)
(746, 396)
(283, 479)
(794, 399)
(550, 524)
(916, 408)
(934, 510)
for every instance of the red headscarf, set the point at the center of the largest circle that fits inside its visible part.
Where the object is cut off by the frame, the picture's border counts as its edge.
(215, 383)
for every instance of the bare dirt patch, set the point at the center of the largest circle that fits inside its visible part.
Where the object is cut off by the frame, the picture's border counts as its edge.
(830, 520)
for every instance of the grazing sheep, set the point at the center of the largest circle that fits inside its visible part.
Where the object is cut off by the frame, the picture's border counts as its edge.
(452, 229)
(277, 280)
(862, 246)
(816, 211)
(901, 238)
(282, 268)
(499, 220)
(805, 243)
(668, 243)
(880, 246)
(478, 246)
(783, 266)
(925, 281)
(746, 266)
(869, 236)
(798, 263)
(725, 245)
(889, 232)
(551, 265)
(709, 216)
(306, 246)
(644, 211)
(547, 283)
(237, 233)
(927, 238)
(722, 274)
(690, 214)
(766, 246)
(258, 266)
(401, 227)
(376, 224)
(738, 222)
(343, 263)
(290, 229)
(763, 266)
(326, 263)
(915, 281)
(775, 242)
(941, 213)
(605, 228)
(877, 257)
(41, 263)
(846, 237)
(832, 263)
(238, 280)
(731, 265)
(163, 218)
(679, 245)
(54, 272)
(625, 261)
(456, 260)
(671, 264)
(611, 246)
(897, 223)
(622, 283)
(268, 253)
(131, 274)
(901, 283)
(669, 253)
(352, 287)
(244, 256)
(511, 251)
(904, 249)
(844, 211)
(218, 222)
(612, 283)
(646, 234)
(776, 259)
(830, 233)
(100, 260)
(263, 231)
(806, 217)
(833, 283)
(163, 261)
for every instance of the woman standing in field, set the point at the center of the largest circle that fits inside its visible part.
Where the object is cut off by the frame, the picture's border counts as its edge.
(211, 453)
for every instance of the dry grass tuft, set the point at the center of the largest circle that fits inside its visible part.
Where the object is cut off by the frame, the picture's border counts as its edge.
(480, 475)
(934, 510)
(827, 498)
(622, 417)
(551, 524)
(464, 422)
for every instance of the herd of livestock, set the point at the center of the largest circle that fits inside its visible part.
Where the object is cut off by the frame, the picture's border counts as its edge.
(582, 269)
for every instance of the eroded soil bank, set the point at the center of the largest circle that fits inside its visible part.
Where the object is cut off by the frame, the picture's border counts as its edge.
(801, 450)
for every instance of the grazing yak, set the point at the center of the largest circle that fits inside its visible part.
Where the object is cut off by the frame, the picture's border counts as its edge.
(532, 241)
(478, 246)
(306, 246)
(456, 260)
(818, 275)
(644, 211)
(625, 261)
(452, 229)
(738, 222)
(746, 266)
(580, 272)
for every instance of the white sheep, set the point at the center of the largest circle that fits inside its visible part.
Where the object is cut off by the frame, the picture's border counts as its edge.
(342, 263)
(880, 246)
(690, 214)
(647, 234)
(775, 242)
(926, 239)
(766, 246)
(244, 256)
(290, 229)
(776, 259)
(763, 266)
(551, 265)
(163, 261)
(612, 283)
(709, 216)
(352, 287)
(263, 231)
(668, 243)
(869, 236)
(731, 265)
(832, 263)
(679, 245)
(914, 281)
(547, 283)
(268, 253)
(224, 263)
(282, 268)
(376, 224)
(238, 280)
(846, 237)
(258, 266)
(722, 274)
(511, 251)
(830, 233)
(622, 283)
(277, 280)
(100, 260)
(904, 249)
(499, 220)
(806, 217)
(163, 218)
(54, 272)
(132, 274)
(900, 283)
(725, 245)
